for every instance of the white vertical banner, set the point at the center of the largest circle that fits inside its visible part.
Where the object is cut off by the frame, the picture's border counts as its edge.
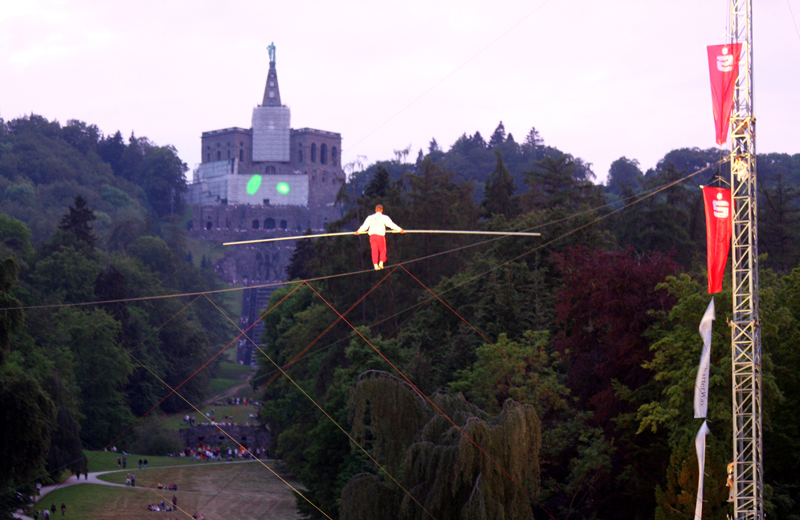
(701, 383)
(700, 445)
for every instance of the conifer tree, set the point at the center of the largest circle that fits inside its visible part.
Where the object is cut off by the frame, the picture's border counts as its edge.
(77, 222)
(498, 137)
(499, 191)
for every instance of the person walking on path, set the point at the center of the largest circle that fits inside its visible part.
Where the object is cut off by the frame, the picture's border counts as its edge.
(375, 225)
(63, 509)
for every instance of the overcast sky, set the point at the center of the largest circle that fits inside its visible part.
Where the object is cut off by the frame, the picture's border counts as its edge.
(599, 80)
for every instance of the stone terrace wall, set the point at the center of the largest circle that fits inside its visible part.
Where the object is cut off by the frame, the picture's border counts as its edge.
(251, 437)
(255, 264)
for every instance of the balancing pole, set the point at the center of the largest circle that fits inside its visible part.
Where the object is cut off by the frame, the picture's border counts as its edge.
(431, 231)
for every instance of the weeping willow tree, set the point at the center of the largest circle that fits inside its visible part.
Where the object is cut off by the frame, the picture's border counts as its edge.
(430, 469)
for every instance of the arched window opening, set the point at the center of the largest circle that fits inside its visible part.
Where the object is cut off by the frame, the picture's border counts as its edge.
(229, 154)
(208, 225)
(269, 223)
(208, 157)
(323, 154)
(313, 152)
(284, 224)
(334, 156)
(255, 224)
(219, 155)
(300, 154)
(241, 155)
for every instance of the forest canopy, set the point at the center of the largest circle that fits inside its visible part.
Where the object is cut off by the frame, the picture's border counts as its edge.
(509, 378)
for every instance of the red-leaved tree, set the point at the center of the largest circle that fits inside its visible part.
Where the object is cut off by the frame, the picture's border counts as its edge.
(603, 311)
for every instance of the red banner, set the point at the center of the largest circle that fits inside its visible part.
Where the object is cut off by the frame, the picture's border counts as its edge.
(719, 226)
(723, 65)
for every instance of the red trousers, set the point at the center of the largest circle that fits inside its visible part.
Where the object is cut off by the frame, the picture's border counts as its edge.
(378, 244)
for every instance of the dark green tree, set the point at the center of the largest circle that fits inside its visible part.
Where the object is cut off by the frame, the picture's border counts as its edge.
(560, 182)
(304, 252)
(102, 372)
(77, 222)
(81, 136)
(575, 455)
(25, 408)
(11, 318)
(624, 174)
(25, 436)
(689, 160)
(779, 212)
(782, 437)
(110, 285)
(498, 195)
(161, 174)
(434, 199)
(15, 240)
(66, 450)
(112, 150)
(665, 403)
(498, 136)
(670, 221)
(380, 186)
(66, 276)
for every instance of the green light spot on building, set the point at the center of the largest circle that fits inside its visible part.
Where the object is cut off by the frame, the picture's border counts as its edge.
(282, 187)
(253, 184)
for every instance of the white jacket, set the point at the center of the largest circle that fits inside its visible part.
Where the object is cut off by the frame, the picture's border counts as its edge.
(377, 223)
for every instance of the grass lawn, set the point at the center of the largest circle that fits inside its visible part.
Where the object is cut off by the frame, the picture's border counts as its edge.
(231, 375)
(240, 415)
(107, 461)
(234, 371)
(232, 491)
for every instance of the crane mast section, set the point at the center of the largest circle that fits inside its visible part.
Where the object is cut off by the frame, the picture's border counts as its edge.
(748, 491)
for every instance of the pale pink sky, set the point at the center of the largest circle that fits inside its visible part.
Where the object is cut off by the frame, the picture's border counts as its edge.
(597, 79)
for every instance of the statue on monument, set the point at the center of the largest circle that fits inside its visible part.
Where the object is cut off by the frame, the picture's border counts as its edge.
(271, 50)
